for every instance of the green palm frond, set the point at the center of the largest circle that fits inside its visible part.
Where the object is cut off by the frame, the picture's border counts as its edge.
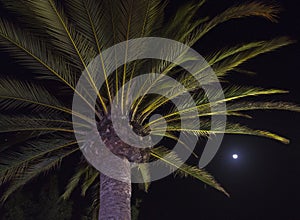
(234, 61)
(19, 124)
(243, 10)
(14, 162)
(90, 177)
(244, 130)
(247, 106)
(14, 91)
(231, 93)
(185, 18)
(75, 180)
(173, 137)
(221, 62)
(15, 95)
(231, 128)
(145, 174)
(33, 169)
(235, 109)
(239, 11)
(64, 37)
(34, 53)
(171, 160)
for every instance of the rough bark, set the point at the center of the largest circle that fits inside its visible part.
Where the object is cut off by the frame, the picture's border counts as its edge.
(115, 196)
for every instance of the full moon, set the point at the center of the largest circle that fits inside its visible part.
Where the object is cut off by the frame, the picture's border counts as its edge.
(235, 156)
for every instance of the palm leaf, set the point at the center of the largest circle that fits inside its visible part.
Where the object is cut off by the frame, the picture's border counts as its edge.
(234, 61)
(231, 128)
(14, 163)
(75, 180)
(34, 53)
(15, 95)
(33, 170)
(90, 177)
(231, 93)
(172, 160)
(259, 9)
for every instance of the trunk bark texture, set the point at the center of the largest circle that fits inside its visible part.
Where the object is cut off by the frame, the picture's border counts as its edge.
(115, 196)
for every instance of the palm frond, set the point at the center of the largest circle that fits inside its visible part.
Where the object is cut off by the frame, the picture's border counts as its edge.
(34, 169)
(15, 95)
(231, 93)
(235, 109)
(243, 10)
(18, 124)
(71, 43)
(231, 128)
(34, 53)
(234, 61)
(172, 160)
(145, 174)
(239, 11)
(173, 137)
(15, 162)
(184, 18)
(75, 180)
(15, 91)
(248, 106)
(90, 177)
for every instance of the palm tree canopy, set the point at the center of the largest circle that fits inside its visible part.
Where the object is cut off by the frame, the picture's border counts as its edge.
(56, 40)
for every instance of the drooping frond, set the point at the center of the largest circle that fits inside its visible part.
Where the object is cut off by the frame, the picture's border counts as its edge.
(75, 180)
(260, 9)
(33, 169)
(36, 55)
(90, 177)
(171, 160)
(145, 174)
(14, 162)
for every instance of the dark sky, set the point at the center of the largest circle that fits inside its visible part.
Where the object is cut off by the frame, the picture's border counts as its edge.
(264, 181)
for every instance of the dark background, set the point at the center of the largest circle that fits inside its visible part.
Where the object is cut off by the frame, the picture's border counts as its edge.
(264, 181)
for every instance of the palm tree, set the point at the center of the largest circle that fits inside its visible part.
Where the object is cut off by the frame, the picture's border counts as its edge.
(56, 41)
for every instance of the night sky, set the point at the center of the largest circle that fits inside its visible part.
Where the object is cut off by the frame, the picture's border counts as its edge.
(264, 181)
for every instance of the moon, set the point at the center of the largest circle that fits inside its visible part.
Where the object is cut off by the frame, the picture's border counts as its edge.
(235, 156)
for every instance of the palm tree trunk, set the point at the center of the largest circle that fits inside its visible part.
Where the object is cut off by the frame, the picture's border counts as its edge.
(115, 195)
